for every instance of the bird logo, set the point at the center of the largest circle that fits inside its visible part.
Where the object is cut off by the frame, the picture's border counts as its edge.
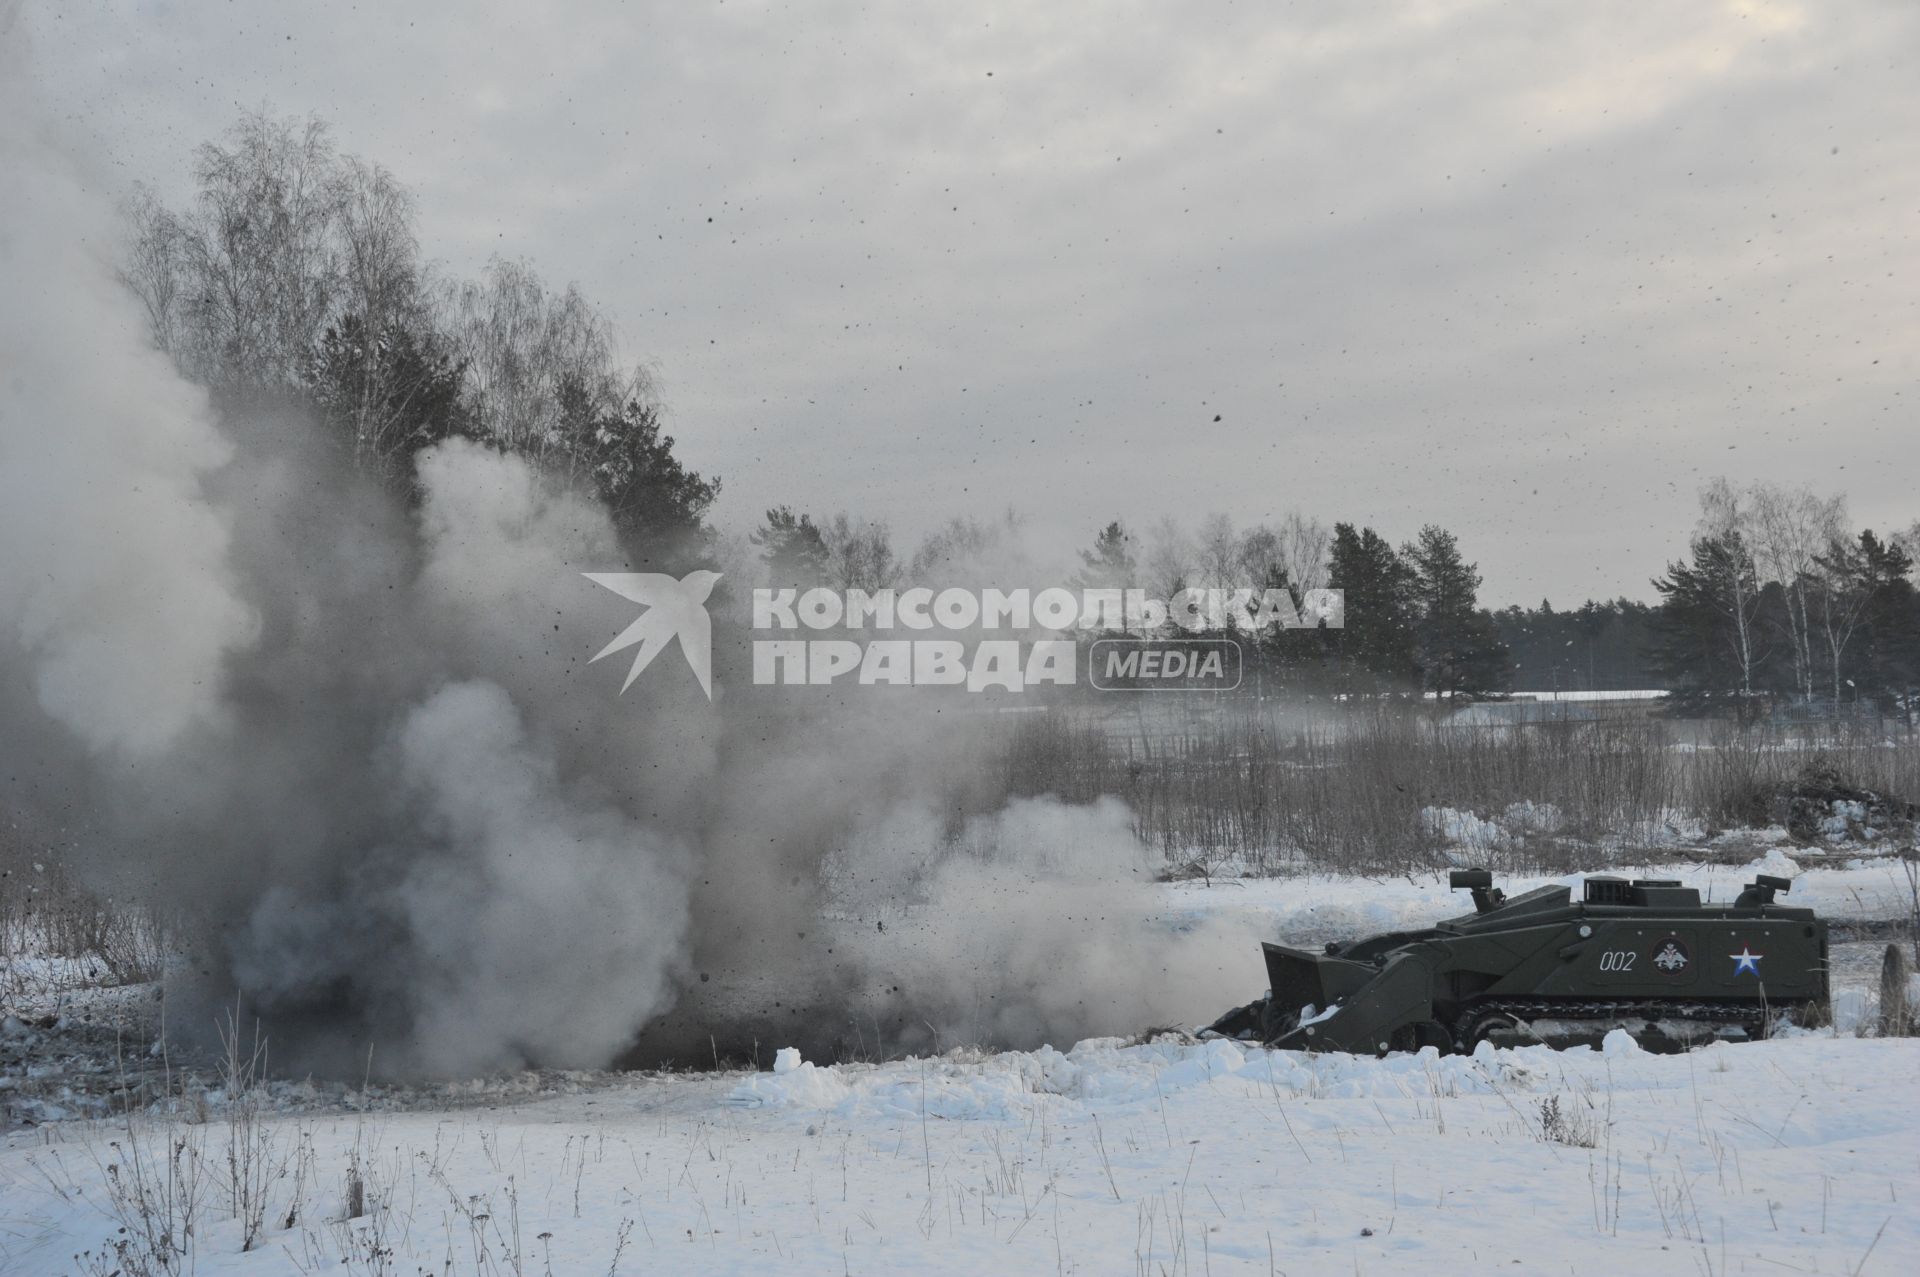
(675, 608)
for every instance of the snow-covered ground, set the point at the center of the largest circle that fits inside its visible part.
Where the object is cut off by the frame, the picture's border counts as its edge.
(1795, 1154)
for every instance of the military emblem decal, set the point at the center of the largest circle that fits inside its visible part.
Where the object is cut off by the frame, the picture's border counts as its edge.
(1670, 956)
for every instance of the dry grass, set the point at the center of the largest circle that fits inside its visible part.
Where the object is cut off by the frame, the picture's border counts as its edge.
(46, 910)
(1265, 790)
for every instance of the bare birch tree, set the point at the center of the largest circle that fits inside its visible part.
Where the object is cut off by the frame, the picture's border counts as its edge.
(1171, 561)
(1219, 558)
(1294, 550)
(1789, 528)
(1304, 546)
(1840, 596)
(153, 267)
(525, 345)
(285, 241)
(860, 553)
(260, 252)
(1786, 530)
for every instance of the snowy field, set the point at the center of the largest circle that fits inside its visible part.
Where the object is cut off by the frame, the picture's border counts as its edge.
(1800, 1154)
(1796, 1155)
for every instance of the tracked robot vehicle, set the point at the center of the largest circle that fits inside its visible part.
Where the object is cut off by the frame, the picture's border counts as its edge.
(1642, 955)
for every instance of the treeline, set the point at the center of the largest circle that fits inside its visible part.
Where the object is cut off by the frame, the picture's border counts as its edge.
(1821, 616)
(1596, 647)
(1781, 602)
(1413, 623)
(294, 278)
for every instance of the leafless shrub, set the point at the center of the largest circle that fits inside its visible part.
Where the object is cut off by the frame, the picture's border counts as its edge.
(1245, 787)
(1566, 1124)
(154, 1190)
(1270, 792)
(252, 1166)
(46, 910)
(1731, 782)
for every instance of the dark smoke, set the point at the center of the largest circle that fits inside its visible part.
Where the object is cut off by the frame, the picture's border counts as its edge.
(357, 745)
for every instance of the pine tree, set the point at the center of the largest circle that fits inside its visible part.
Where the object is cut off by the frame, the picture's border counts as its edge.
(1110, 564)
(1457, 645)
(658, 505)
(1708, 643)
(1374, 652)
(795, 551)
(1887, 652)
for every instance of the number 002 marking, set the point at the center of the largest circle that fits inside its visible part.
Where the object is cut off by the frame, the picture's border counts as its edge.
(1617, 960)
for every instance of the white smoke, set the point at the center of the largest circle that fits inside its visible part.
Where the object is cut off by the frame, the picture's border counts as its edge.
(505, 902)
(358, 741)
(555, 925)
(1039, 922)
(114, 582)
(271, 683)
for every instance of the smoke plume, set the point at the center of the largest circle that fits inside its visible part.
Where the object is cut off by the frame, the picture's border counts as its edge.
(355, 743)
(114, 583)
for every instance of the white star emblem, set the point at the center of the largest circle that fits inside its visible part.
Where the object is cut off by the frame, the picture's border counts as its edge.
(1746, 960)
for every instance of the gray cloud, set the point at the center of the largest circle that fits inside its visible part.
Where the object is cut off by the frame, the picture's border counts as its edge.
(1530, 271)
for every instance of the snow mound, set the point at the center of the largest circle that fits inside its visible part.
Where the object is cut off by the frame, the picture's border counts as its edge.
(793, 1084)
(1110, 1073)
(1469, 831)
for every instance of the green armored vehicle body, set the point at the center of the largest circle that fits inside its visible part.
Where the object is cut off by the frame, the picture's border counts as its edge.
(1645, 956)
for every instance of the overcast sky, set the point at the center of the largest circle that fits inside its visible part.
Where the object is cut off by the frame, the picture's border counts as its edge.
(1533, 271)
